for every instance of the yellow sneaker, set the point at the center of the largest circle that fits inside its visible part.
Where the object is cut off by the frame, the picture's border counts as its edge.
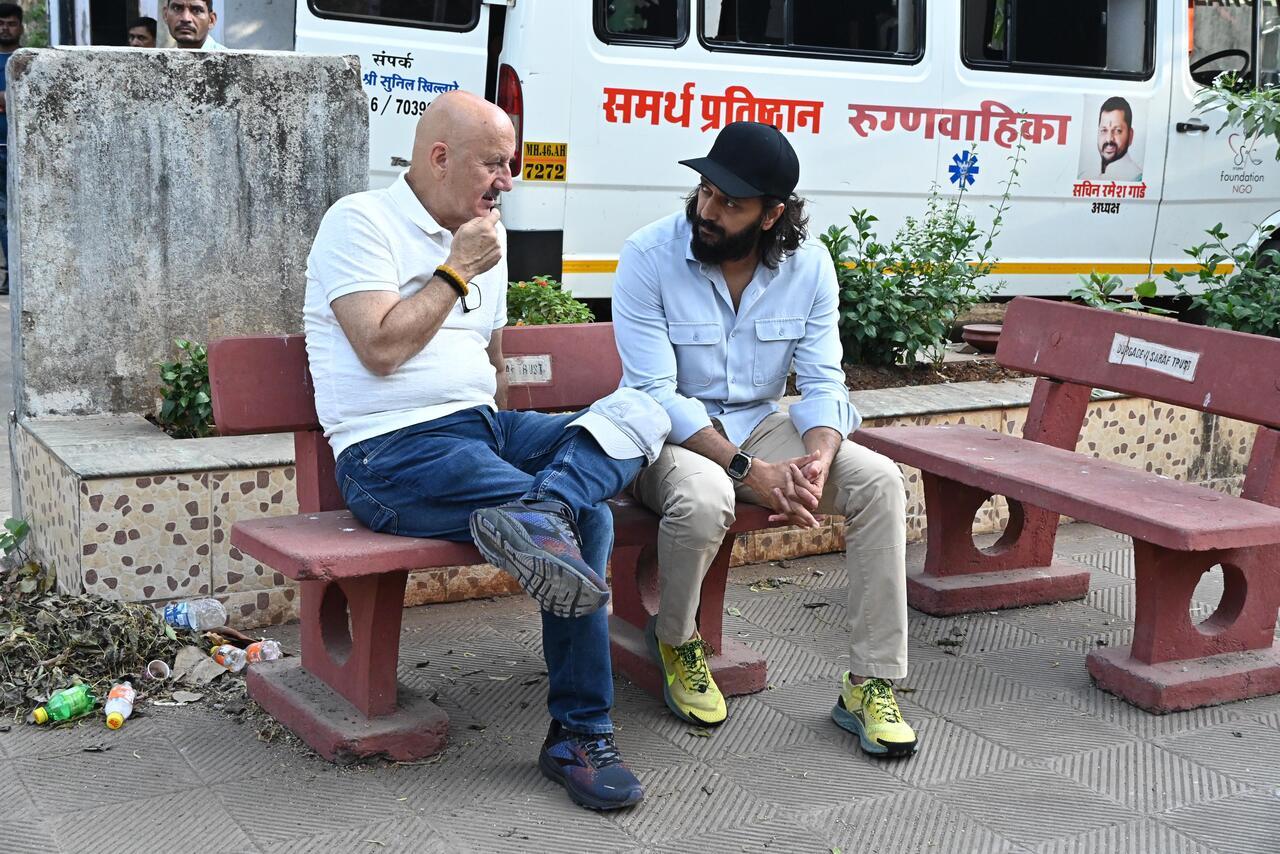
(687, 685)
(869, 710)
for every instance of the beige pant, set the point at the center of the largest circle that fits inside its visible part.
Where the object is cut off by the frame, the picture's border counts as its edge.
(695, 498)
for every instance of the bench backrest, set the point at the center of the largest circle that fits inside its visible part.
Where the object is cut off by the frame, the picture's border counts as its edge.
(1211, 370)
(262, 384)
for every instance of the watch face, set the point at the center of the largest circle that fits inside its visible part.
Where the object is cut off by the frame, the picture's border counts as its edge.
(739, 466)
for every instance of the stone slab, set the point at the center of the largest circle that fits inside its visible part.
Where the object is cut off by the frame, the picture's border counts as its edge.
(989, 591)
(334, 728)
(1176, 686)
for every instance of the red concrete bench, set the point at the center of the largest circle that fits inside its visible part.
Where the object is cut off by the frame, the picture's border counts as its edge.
(343, 697)
(1179, 530)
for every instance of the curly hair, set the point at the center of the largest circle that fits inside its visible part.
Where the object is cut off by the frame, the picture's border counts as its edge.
(788, 233)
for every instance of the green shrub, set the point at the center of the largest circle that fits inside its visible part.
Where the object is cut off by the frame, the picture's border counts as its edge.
(1103, 290)
(899, 299)
(187, 409)
(1241, 287)
(1254, 111)
(542, 301)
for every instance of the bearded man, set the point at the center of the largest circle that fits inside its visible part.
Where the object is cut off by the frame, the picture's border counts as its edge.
(712, 307)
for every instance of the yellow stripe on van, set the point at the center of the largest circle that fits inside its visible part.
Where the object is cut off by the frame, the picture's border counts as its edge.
(572, 266)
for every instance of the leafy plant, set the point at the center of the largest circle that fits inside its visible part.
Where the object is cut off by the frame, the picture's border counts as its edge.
(542, 301)
(187, 410)
(898, 299)
(1103, 290)
(1241, 288)
(28, 576)
(1256, 111)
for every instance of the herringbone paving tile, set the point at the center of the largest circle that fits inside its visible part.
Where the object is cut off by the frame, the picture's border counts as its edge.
(393, 836)
(916, 821)
(781, 833)
(31, 834)
(1146, 778)
(1030, 805)
(813, 775)
(692, 796)
(1043, 732)
(328, 803)
(15, 802)
(1245, 750)
(1145, 836)
(1019, 752)
(192, 819)
(1240, 824)
(75, 782)
(1105, 707)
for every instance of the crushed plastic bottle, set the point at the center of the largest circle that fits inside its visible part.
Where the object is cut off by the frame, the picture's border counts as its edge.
(65, 705)
(231, 657)
(199, 615)
(119, 704)
(266, 650)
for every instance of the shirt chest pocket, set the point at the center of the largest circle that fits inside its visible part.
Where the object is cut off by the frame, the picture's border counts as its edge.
(776, 340)
(697, 348)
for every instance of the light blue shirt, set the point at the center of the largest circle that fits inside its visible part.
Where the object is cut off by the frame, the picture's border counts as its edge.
(683, 344)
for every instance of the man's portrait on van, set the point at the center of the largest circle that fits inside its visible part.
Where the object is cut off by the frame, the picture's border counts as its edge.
(1109, 155)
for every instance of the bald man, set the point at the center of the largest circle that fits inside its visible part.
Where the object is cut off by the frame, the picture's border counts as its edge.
(406, 300)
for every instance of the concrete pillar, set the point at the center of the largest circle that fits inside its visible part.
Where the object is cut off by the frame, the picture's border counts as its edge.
(163, 194)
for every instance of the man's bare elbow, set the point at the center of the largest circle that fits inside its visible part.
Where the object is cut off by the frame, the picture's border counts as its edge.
(379, 364)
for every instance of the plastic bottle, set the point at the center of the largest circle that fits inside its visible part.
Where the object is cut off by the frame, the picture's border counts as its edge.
(231, 657)
(199, 615)
(119, 704)
(266, 650)
(65, 704)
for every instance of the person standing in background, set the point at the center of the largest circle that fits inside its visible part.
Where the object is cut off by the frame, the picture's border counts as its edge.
(142, 32)
(189, 22)
(10, 40)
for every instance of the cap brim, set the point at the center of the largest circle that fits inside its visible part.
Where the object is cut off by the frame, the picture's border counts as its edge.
(609, 436)
(724, 180)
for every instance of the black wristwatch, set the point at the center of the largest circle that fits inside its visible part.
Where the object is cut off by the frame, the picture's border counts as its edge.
(740, 465)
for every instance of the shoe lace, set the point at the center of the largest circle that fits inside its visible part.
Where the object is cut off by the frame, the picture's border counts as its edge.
(694, 664)
(877, 698)
(600, 750)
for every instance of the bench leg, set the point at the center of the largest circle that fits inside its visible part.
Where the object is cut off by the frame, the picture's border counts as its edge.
(341, 698)
(1018, 569)
(736, 667)
(1174, 664)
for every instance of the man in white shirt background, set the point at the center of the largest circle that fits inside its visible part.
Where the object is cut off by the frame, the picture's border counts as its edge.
(711, 307)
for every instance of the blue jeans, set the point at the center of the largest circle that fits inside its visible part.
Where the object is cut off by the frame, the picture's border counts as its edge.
(425, 481)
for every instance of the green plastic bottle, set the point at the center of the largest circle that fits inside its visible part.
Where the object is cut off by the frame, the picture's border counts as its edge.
(66, 704)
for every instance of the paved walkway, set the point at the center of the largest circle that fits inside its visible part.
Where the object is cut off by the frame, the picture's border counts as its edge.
(1019, 752)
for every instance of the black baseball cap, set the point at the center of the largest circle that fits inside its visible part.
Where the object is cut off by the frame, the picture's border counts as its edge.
(750, 159)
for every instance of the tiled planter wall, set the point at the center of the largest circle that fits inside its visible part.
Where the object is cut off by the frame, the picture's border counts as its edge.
(113, 528)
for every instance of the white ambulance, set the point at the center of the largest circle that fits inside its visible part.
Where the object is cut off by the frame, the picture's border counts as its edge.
(882, 100)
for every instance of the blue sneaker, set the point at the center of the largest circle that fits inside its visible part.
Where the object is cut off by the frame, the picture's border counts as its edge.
(590, 768)
(538, 543)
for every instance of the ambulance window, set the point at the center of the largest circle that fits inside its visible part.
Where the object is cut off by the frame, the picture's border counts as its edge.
(1083, 38)
(661, 22)
(441, 14)
(1223, 39)
(1269, 44)
(887, 28)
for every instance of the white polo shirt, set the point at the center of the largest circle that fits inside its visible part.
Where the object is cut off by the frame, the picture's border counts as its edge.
(384, 240)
